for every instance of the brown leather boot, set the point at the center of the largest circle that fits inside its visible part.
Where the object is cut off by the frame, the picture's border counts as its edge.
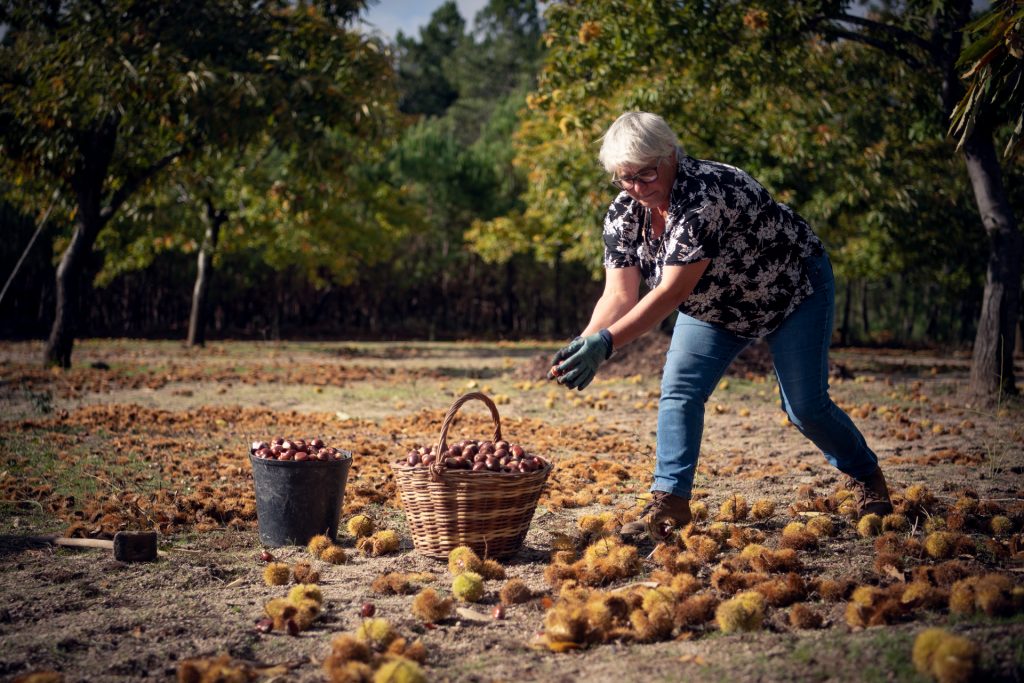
(664, 514)
(872, 494)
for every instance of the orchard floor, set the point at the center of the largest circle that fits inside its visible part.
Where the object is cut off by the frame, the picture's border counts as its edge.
(144, 434)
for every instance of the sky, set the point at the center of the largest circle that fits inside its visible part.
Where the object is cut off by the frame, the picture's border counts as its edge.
(390, 16)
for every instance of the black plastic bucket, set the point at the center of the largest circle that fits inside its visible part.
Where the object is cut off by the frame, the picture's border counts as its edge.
(295, 501)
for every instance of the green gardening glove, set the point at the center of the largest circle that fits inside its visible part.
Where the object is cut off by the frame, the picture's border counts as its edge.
(563, 353)
(587, 354)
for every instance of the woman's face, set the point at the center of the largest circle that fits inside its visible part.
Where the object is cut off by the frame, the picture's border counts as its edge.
(655, 193)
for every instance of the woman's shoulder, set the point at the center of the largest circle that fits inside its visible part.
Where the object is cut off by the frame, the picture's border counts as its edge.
(707, 179)
(718, 171)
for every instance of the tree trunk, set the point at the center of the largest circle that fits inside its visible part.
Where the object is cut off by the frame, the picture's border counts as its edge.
(69, 279)
(204, 273)
(558, 327)
(992, 359)
(844, 329)
(1018, 346)
(510, 306)
(864, 310)
(96, 149)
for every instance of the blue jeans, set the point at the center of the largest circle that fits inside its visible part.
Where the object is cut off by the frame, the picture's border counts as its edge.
(698, 357)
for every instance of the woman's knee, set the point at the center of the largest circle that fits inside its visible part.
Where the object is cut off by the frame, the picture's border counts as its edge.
(809, 410)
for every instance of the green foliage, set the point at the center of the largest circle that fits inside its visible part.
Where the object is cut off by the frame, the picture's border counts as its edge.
(271, 108)
(816, 121)
(424, 86)
(498, 61)
(994, 60)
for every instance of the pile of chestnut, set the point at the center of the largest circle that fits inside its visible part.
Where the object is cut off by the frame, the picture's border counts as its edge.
(298, 450)
(477, 456)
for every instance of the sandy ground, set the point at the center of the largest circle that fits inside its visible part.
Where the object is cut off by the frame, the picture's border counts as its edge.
(137, 418)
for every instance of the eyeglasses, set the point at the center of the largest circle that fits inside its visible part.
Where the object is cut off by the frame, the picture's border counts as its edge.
(644, 175)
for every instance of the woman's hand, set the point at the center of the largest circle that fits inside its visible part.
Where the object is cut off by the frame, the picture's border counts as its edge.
(576, 364)
(563, 353)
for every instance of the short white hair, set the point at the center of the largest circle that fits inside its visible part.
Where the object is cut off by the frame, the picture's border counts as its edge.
(636, 138)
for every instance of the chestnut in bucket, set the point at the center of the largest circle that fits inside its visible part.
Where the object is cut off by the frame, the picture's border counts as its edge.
(298, 450)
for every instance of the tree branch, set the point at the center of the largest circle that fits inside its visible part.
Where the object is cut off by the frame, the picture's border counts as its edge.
(132, 183)
(889, 48)
(895, 31)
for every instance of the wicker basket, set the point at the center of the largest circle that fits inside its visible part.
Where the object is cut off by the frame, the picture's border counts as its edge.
(488, 511)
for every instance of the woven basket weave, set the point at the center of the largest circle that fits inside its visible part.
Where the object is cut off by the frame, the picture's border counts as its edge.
(488, 511)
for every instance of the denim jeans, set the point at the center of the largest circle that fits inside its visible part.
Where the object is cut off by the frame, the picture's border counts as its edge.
(698, 357)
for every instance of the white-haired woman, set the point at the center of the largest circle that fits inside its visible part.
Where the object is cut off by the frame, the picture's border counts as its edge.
(710, 241)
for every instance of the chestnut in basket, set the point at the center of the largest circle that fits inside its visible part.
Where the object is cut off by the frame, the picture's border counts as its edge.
(477, 456)
(298, 450)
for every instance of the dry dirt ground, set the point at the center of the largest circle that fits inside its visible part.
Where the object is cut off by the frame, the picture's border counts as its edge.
(154, 435)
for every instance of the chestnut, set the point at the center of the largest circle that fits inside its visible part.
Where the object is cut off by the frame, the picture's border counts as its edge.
(480, 457)
(277, 449)
(316, 443)
(258, 446)
(455, 449)
(301, 456)
(501, 444)
(287, 445)
(265, 556)
(367, 610)
(517, 451)
(470, 450)
(500, 452)
(287, 455)
(427, 459)
(499, 611)
(413, 458)
(265, 625)
(277, 441)
(479, 465)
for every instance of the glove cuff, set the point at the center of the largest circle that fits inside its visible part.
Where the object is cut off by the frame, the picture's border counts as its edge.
(607, 337)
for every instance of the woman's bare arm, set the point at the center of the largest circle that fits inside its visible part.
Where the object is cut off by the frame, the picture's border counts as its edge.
(677, 282)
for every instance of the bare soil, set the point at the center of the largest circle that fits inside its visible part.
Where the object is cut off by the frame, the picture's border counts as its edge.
(153, 435)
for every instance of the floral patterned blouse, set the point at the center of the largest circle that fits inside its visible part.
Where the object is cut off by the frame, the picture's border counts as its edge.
(757, 246)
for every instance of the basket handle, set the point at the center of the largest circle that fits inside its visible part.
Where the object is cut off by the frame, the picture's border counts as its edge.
(442, 444)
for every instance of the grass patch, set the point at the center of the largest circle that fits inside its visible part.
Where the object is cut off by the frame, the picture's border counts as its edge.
(79, 471)
(885, 655)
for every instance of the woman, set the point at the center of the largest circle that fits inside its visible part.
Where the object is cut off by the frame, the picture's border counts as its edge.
(709, 240)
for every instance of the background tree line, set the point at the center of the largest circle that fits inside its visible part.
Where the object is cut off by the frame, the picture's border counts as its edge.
(269, 170)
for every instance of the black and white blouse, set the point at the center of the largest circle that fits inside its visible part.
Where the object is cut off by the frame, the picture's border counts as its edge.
(757, 246)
